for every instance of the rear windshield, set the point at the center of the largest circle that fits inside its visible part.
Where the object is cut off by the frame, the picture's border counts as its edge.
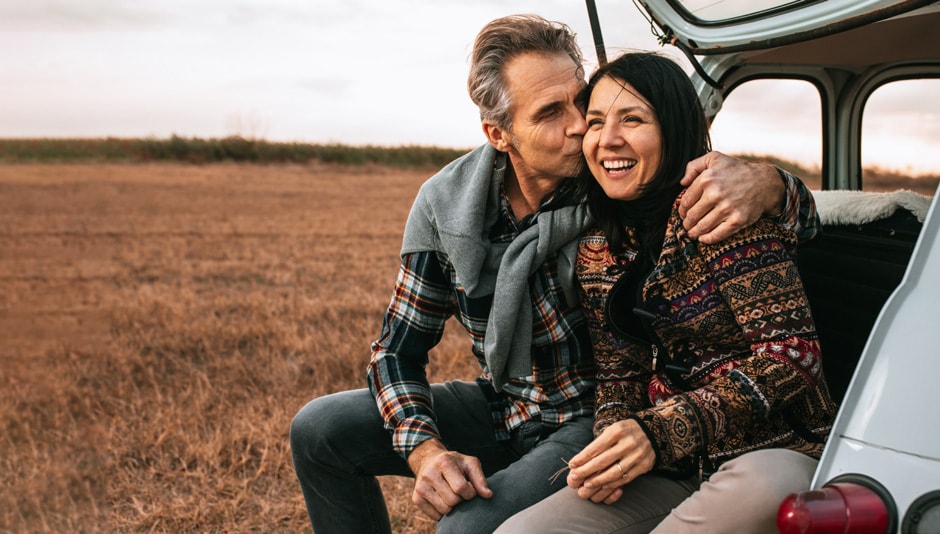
(717, 11)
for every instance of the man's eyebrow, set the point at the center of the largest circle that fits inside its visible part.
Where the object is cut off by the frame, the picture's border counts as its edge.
(547, 108)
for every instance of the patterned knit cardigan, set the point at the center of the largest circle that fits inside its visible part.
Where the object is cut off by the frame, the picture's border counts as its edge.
(737, 359)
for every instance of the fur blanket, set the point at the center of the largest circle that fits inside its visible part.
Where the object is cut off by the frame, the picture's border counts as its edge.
(860, 207)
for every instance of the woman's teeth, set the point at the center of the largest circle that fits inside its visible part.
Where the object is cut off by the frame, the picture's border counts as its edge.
(619, 164)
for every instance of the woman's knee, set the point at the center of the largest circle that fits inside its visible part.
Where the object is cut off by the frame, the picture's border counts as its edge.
(777, 470)
(757, 481)
(743, 495)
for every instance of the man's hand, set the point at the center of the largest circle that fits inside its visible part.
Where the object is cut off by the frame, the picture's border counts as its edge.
(727, 194)
(444, 479)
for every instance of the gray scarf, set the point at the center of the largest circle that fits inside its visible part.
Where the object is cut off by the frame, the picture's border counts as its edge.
(453, 214)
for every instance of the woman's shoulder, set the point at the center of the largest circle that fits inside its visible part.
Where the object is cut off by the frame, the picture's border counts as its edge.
(765, 236)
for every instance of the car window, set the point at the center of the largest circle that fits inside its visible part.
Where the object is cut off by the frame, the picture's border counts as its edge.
(721, 10)
(900, 137)
(778, 120)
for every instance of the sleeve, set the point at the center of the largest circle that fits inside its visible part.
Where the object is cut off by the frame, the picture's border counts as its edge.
(622, 373)
(799, 209)
(758, 280)
(618, 397)
(412, 326)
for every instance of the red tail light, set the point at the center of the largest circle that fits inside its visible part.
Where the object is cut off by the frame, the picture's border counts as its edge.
(839, 507)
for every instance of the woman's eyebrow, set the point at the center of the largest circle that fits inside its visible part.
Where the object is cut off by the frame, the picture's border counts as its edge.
(627, 109)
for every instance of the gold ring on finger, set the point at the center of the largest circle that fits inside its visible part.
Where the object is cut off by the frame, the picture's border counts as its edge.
(622, 474)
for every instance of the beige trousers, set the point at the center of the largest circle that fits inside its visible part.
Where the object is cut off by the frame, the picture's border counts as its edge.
(741, 497)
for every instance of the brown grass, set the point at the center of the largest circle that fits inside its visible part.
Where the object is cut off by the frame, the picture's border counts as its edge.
(160, 324)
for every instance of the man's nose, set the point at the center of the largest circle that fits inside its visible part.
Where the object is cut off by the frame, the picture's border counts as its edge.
(577, 125)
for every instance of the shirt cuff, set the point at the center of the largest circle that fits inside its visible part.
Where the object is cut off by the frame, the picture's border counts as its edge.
(412, 432)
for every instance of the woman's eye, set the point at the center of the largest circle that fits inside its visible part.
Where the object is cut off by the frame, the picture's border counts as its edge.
(595, 123)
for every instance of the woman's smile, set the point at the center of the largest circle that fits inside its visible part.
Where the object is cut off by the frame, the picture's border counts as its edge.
(616, 167)
(623, 143)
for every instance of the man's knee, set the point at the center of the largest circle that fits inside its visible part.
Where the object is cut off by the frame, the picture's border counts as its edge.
(302, 426)
(321, 425)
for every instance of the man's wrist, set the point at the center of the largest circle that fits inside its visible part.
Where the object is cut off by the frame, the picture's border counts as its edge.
(779, 204)
(423, 451)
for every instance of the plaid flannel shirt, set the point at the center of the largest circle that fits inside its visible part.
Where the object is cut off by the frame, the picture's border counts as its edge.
(427, 293)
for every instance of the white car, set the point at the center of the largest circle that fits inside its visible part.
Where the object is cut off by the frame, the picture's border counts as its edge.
(873, 277)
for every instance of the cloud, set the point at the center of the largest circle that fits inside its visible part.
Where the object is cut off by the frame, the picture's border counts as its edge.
(328, 87)
(69, 16)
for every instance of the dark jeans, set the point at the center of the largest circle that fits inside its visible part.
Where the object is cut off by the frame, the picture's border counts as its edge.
(339, 446)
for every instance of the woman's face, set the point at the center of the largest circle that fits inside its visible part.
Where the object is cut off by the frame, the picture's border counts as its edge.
(623, 143)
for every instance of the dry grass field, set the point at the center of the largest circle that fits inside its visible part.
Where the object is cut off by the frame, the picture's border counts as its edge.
(160, 324)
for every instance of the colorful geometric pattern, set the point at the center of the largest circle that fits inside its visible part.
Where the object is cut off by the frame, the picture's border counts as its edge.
(734, 322)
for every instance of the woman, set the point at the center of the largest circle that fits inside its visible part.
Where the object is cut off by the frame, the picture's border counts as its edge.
(711, 405)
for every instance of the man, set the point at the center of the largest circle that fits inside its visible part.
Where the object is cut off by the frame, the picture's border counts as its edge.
(491, 239)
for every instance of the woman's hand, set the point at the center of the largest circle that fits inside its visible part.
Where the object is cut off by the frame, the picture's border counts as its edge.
(620, 454)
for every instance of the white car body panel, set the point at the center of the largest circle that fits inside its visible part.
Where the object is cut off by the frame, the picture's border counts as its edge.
(888, 427)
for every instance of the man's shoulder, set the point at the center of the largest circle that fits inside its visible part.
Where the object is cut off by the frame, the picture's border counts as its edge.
(453, 202)
(463, 185)
(472, 163)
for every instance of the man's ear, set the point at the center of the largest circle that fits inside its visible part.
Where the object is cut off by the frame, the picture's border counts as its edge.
(498, 137)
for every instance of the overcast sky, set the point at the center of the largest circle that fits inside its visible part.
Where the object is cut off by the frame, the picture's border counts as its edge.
(387, 72)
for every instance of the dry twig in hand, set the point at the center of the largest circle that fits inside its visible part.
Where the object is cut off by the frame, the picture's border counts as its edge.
(558, 473)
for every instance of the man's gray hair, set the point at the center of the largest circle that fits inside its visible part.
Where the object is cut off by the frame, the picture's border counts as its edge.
(500, 41)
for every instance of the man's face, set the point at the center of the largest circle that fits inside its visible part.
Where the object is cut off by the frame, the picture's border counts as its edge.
(548, 124)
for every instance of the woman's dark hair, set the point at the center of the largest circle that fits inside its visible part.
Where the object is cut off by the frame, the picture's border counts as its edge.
(684, 131)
